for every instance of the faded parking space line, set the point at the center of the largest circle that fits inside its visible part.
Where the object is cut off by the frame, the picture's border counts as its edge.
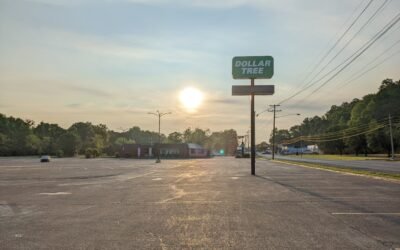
(56, 193)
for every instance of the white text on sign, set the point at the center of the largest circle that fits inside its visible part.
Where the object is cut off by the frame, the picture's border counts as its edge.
(252, 67)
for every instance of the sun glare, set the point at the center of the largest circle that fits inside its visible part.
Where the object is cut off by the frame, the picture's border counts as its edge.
(191, 98)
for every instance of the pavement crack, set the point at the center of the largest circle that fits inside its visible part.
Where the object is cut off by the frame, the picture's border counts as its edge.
(179, 193)
(162, 245)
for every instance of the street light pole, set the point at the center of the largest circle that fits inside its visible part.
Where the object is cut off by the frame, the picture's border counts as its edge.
(247, 139)
(159, 115)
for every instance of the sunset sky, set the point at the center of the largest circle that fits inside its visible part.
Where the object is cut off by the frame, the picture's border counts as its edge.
(112, 62)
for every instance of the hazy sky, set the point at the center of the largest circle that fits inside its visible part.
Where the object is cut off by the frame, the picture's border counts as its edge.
(111, 62)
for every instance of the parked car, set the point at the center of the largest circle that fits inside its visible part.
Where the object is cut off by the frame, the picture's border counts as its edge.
(45, 158)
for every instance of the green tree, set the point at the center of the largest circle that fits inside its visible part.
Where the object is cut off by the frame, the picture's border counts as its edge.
(4, 144)
(143, 136)
(100, 140)
(69, 143)
(32, 145)
(197, 136)
(87, 136)
(226, 140)
(262, 146)
(16, 137)
(122, 140)
(231, 141)
(49, 135)
(175, 137)
(385, 102)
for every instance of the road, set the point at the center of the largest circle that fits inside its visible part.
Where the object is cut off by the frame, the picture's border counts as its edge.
(208, 204)
(384, 166)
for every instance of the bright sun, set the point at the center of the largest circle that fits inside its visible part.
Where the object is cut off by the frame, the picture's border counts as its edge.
(191, 98)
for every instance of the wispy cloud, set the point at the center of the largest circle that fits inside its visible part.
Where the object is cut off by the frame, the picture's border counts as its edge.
(219, 4)
(88, 90)
(228, 101)
(139, 49)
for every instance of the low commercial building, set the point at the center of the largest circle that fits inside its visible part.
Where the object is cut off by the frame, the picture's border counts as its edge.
(196, 151)
(166, 150)
(136, 151)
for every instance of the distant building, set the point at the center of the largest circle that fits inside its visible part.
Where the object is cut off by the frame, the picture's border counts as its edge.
(136, 151)
(196, 151)
(307, 149)
(314, 149)
(179, 150)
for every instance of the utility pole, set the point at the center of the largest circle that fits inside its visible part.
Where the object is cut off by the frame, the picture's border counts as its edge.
(273, 128)
(159, 115)
(391, 136)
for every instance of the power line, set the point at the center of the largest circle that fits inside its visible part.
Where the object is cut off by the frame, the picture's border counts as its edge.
(347, 130)
(339, 137)
(350, 130)
(352, 38)
(332, 48)
(339, 134)
(335, 134)
(354, 56)
(364, 70)
(357, 54)
(337, 41)
(369, 69)
(361, 72)
(375, 58)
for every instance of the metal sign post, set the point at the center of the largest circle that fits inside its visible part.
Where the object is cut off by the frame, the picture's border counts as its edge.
(257, 90)
(253, 133)
(252, 67)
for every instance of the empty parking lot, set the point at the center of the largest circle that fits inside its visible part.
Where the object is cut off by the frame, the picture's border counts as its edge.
(76, 203)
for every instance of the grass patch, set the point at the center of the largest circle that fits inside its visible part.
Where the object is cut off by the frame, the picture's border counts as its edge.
(392, 176)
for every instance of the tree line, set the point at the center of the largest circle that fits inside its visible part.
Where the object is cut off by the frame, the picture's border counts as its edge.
(20, 137)
(357, 127)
